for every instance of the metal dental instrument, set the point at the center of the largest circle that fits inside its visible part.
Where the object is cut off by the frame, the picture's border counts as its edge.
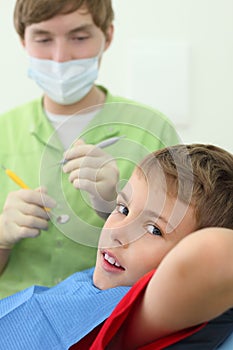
(102, 144)
(61, 219)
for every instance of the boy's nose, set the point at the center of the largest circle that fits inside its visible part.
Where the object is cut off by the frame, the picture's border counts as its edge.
(119, 239)
(125, 235)
(113, 237)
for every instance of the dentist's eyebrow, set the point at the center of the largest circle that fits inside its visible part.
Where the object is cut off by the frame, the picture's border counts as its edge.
(83, 28)
(40, 32)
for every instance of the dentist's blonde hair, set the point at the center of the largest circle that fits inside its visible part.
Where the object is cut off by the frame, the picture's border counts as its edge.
(28, 12)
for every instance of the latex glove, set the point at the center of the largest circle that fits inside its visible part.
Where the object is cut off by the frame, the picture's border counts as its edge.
(93, 170)
(24, 215)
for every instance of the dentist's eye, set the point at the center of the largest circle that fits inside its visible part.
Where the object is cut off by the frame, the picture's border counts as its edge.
(122, 209)
(80, 38)
(43, 40)
(154, 230)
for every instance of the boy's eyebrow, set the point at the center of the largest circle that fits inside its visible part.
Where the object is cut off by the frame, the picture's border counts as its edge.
(158, 216)
(123, 195)
(150, 212)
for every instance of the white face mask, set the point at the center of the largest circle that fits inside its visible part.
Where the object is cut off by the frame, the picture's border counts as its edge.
(64, 82)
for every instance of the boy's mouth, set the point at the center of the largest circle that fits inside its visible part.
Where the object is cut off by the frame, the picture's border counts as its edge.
(112, 261)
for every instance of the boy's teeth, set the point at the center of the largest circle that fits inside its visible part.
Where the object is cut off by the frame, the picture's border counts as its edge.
(111, 260)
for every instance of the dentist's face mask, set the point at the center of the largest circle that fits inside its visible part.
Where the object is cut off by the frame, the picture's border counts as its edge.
(64, 82)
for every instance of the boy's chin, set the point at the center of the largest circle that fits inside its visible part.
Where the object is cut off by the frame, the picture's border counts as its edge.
(97, 280)
(100, 281)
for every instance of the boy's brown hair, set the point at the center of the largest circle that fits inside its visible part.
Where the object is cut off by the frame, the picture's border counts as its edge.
(200, 175)
(28, 12)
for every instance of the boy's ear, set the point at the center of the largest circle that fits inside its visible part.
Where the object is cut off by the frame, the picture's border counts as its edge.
(109, 36)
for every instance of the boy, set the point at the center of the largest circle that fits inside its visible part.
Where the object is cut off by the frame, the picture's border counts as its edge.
(160, 222)
(65, 42)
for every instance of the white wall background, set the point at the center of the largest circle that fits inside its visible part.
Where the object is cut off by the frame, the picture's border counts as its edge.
(205, 27)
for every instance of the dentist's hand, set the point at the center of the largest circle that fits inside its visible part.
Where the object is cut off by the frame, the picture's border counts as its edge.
(93, 170)
(24, 215)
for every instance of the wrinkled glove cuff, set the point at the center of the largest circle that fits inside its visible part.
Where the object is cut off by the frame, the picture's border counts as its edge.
(6, 246)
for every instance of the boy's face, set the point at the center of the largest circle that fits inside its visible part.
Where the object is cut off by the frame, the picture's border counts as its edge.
(66, 37)
(142, 229)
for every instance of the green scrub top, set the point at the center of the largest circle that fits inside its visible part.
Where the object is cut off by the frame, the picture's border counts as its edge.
(29, 147)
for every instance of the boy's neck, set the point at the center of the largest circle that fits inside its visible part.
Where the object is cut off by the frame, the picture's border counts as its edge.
(93, 98)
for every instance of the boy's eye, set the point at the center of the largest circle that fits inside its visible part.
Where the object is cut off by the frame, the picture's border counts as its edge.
(122, 209)
(154, 230)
